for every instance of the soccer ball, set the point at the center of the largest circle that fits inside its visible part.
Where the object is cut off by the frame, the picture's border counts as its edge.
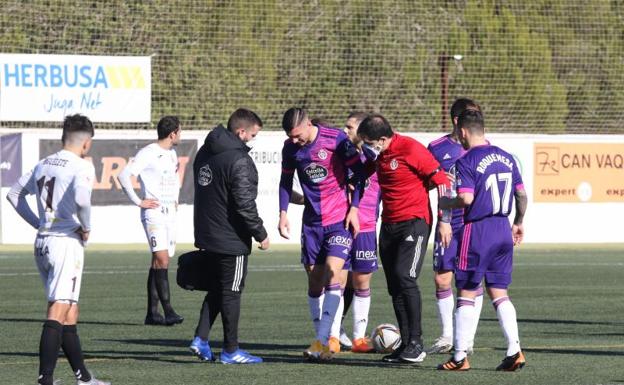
(386, 338)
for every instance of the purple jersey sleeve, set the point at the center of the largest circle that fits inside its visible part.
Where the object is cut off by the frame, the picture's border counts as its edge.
(464, 178)
(447, 151)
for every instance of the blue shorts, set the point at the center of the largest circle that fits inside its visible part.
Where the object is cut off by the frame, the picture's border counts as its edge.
(485, 252)
(444, 258)
(364, 253)
(319, 242)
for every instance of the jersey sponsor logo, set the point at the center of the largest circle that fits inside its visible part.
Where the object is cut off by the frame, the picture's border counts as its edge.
(367, 184)
(339, 240)
(316, 173)
(394, 164)
(322, 154)
(446, 156)
(205, 176)
(366, 255)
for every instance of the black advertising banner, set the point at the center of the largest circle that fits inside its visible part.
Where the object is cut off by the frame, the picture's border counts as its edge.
(10, 159)
(110, 156)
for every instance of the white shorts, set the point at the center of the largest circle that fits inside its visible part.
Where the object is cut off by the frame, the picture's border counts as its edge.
(160, 228)
(60, 261)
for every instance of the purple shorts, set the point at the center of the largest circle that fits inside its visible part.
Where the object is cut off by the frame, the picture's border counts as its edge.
(364, 253)
(319, 242)
(444, 258)
(485, 252)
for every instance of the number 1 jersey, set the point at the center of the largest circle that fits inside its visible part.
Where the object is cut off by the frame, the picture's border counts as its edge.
(56, 181)
(492, 175)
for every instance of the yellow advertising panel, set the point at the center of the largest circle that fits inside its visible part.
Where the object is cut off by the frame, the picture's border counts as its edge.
(579, 172)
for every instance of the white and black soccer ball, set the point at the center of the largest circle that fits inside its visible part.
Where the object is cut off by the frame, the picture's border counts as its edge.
(386, 338)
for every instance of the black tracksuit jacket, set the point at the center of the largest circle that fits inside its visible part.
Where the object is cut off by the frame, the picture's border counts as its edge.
(226, 187)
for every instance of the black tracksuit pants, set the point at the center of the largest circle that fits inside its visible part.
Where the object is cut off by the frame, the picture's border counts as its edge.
(402, 247)
(226, 277)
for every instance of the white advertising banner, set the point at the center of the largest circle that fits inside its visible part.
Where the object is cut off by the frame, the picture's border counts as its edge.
(551, 216)
(49, 87)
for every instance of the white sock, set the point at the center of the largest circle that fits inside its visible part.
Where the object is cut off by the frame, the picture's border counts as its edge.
(477, 315)
(463, 326)
(335, 328)
(445, 305)
(506, 313)
(315, 304)
(361, 306)
(330, 305)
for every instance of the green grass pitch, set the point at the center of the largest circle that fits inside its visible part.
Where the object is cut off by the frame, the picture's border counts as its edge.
(568, 300)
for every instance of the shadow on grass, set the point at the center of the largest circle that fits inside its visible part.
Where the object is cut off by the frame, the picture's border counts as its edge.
(213, 344)
(161, 356)
(40, 320)
(270, 353)
(185, 357)
(585, 352)
(558, 321)
(584, 333)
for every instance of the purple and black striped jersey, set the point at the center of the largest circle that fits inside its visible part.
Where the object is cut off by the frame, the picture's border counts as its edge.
(322, 168)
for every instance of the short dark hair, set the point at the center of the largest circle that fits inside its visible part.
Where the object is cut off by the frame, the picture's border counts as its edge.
(321, 122)
(243, 118)
(76, 124)
(293, 117)
(358, 115)
(167, 125)
(462, 104)
(374, 127)
(471, 120)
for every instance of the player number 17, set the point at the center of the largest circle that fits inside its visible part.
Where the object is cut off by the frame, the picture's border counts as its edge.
(491, 183)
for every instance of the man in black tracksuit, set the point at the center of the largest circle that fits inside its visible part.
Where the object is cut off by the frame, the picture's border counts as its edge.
(226, 218)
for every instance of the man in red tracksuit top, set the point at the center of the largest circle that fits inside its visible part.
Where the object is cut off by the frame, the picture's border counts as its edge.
(405, 169)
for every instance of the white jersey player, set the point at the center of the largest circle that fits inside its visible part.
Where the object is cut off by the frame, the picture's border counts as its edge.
(156, 166)
(62, 183)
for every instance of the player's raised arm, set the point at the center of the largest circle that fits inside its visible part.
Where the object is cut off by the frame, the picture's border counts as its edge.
(349, 153)
(465, 189)
(17, 198)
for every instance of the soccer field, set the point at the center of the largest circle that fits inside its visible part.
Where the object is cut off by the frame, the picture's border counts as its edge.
(568, 301)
